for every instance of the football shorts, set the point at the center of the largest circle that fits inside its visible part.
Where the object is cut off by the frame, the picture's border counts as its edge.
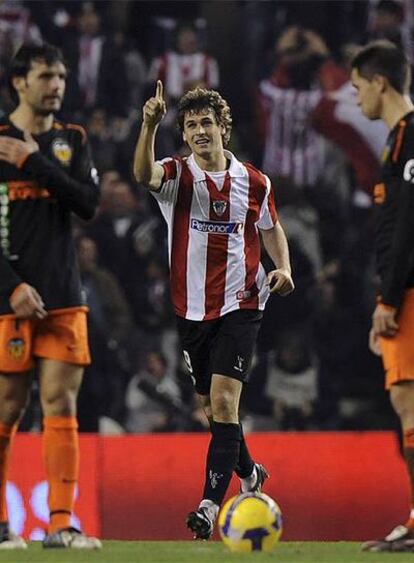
(62, 335)
(398, 351)
(223, 346)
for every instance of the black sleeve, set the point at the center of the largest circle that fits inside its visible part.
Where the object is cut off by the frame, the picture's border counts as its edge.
(402, 247)
(79, 191)
(8, 277)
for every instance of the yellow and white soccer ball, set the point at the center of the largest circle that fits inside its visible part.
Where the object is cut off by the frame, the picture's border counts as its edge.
(250, 522)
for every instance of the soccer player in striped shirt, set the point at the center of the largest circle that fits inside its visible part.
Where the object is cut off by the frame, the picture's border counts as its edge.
(217, 209)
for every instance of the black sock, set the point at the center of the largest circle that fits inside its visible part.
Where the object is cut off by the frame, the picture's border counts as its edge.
(245, 465)
(223, 453)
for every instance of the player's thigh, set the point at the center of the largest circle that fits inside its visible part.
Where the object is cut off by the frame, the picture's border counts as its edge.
(59, 384)
(234, 344)
(14, 395)
(196, 338)
(402, 399)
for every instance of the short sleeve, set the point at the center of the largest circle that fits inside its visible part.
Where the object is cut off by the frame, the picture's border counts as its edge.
(268, 214)
(170, 181)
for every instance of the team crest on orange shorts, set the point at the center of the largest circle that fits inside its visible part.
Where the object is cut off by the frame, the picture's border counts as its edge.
(16, 347)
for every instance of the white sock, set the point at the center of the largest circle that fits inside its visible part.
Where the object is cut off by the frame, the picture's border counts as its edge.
(249, 482)
(210, 507)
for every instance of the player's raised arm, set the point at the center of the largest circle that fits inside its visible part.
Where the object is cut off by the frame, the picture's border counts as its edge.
(146, 170)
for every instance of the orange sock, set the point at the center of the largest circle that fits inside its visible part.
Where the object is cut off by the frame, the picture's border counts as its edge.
(6, 435)
(408, 444)
(61, 458)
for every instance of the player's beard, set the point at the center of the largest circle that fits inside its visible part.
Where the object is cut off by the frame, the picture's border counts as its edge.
(45, 112)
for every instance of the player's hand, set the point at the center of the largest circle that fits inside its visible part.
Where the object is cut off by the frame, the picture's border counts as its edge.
(280, 281)
(374, 343)
(27, 303)
(15, 151)
(384, 322)
(155, 108)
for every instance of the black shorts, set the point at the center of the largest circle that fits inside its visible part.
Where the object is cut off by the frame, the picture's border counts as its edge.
(223, 346)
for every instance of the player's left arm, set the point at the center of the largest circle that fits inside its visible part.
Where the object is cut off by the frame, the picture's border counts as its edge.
(402, 244)
(78, 191)
(393, 283)
(276, 245)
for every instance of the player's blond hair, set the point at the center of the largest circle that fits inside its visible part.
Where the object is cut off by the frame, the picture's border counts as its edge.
(199, 99)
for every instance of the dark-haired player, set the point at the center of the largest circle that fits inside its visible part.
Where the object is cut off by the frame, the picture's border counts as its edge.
(381, 74)
(46, 174)
(216, 208)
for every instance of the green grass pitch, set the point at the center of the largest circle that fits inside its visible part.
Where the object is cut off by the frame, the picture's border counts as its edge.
(200, 552)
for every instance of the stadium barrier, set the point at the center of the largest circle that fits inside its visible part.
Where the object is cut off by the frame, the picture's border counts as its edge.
(330, 486)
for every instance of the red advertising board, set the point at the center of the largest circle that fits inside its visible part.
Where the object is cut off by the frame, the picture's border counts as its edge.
(330, 486)
(27, 488)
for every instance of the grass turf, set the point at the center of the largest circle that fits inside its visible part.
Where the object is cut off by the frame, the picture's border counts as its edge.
(199, 552)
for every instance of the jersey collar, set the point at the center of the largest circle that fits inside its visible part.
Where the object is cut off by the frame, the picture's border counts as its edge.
(236, 169)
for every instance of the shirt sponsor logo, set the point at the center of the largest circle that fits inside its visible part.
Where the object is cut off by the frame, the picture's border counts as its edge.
(20, 190)
(217, 227)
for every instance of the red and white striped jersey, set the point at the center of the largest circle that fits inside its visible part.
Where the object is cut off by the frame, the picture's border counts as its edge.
(292, 148)
(180, 72)
(213, 236)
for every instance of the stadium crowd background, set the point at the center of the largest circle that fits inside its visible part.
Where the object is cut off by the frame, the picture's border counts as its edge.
(284, 68)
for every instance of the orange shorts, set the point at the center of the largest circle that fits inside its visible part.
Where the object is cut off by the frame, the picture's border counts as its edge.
(62, 335)
(398, 352)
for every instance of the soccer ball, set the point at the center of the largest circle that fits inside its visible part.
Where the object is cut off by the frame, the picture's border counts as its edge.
(250, 522)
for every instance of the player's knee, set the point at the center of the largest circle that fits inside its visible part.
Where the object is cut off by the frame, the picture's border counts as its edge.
(224, 407)
(12, 410)
(59, 403)
(402, 399)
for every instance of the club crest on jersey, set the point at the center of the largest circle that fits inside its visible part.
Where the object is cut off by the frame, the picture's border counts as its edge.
(16, 347)
(62, 151)
(219, 207)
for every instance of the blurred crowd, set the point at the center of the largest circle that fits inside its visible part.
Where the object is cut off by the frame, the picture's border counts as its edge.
(283, 65)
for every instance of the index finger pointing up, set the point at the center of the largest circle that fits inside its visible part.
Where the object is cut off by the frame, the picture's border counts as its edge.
(159, 91)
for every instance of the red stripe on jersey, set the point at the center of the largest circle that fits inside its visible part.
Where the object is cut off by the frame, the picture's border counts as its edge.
(257, 192)
(216, 267)
(170, 170)
(180, 239)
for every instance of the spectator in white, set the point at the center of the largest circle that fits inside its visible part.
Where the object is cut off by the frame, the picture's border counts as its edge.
(94, 56)
(291, 148)
(151, 397)
(292, 382)
(185, 68)
(338, 118)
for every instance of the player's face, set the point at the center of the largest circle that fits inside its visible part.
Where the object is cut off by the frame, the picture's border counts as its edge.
(369, 95)
(202, 133)
(43, 87)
